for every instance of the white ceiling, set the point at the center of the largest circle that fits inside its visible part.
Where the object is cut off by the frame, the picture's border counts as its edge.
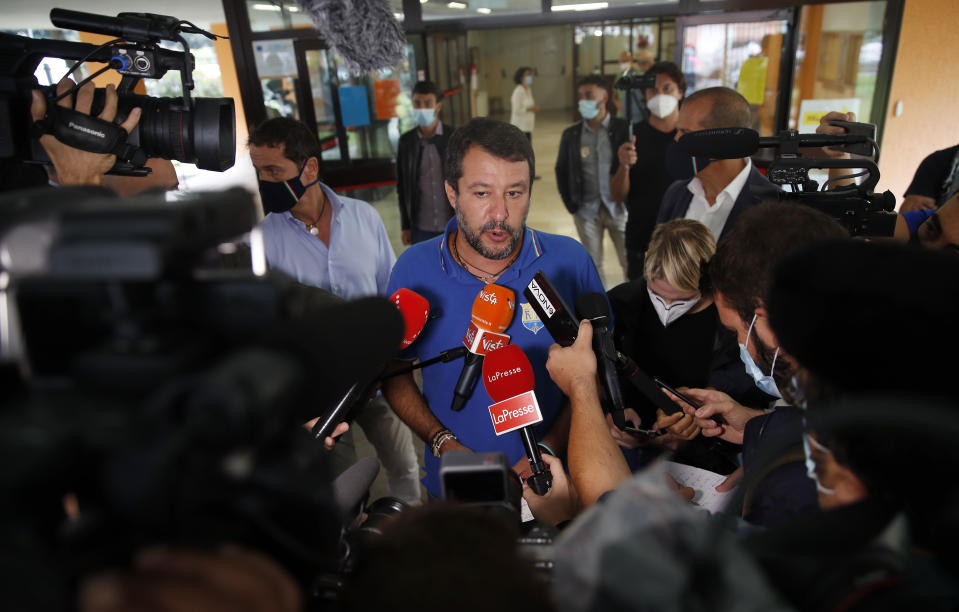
(36, 13)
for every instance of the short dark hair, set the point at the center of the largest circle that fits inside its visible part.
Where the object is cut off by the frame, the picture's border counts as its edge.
(671, 70)
(728, 108)
(518, 75)
(742, 267)
(594, 79)
(499, 139)
(426, 88)
(299, 143)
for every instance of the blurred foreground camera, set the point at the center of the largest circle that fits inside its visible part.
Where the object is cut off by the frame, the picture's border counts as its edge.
(200, 131)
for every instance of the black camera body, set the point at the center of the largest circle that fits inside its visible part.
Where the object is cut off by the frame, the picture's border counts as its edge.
(192, 130)
(641, 82)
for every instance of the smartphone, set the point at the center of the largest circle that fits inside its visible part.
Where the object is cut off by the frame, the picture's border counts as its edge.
(717, 418)
(552, 310)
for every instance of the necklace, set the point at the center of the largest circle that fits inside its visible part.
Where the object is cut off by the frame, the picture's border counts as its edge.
(486, 277)
(311, 226)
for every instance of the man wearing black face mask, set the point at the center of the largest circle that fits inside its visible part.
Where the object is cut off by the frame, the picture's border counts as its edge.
(335, 243)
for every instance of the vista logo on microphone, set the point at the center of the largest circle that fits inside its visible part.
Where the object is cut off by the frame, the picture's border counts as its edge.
(483, 341)
(516, 412)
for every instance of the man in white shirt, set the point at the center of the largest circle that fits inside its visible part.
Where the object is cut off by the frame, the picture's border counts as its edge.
(720, 189)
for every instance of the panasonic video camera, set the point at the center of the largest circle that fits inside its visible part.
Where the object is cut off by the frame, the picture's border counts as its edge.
(200, 131)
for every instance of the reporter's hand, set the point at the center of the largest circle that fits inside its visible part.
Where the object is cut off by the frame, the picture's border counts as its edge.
(407, 237)
(731, 482)
(716, 403)
(679, 424)
(624, 439)
(523, 469)
(627, 153)
(330, 441)
(573, 366)
(825, 128)
(229, 579)
(687, 493)
(561, 503)
(75, 166)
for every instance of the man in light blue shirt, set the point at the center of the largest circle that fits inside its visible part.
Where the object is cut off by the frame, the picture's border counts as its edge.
(335, 243)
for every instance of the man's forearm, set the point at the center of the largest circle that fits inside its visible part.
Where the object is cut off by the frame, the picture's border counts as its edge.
(409, 404)
(619, 184)
(596, 465)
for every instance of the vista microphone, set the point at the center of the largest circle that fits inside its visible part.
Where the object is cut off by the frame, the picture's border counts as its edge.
(593, 306)
(509, 381)
(493, 311)
(415, 310)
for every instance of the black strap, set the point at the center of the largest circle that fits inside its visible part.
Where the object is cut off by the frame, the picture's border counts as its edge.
(84, 132)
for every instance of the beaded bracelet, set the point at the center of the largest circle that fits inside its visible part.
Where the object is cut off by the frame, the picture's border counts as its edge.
(440, 438)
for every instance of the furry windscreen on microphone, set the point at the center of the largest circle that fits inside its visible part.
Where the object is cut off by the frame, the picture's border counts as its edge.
(364, 32)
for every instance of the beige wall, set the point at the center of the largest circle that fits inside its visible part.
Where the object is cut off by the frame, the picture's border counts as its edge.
(926, 81)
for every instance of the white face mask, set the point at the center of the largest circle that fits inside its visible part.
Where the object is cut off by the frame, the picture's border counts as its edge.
(764, 382)
(670, 312)
(807, 444)
(662, 105)
(624, 66)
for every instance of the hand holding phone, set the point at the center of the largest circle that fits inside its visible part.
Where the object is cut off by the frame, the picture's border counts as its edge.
(717, 418)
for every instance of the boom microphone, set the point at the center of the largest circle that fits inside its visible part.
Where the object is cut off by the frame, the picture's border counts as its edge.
(508, 374)
(735, 143)
(415, 310)
(364, 32)
(492, 313)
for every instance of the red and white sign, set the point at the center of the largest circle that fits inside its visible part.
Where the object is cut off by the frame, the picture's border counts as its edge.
(518, 411)
(482, 341)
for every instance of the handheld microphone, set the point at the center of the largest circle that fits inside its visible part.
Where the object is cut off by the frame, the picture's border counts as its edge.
(593, 306)
(508, 377)
(492, 313)
(415, 310)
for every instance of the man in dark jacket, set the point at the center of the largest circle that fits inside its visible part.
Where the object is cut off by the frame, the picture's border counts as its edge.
(424, 209)
(719, 191)
(587, 159)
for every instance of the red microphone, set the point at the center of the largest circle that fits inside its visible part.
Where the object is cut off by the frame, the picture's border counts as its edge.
(492, 313)
(509, 381)
(415, 310)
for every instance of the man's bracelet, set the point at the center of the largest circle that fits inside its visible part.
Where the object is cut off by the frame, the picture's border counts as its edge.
(546, 447)
(440, 438)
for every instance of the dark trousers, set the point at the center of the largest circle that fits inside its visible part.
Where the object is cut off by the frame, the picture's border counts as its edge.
(418, 235)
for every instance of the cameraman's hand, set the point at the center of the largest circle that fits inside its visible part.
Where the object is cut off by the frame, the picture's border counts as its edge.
(229, 579)
(627, 153)
(573, 366)
(825, 128)
(561, 503)
(75, 166)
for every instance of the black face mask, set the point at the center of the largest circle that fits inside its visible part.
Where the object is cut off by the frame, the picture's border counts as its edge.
(281, 196)
(682, 165)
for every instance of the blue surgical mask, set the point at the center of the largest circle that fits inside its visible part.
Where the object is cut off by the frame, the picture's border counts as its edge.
(528, 79)
(807, 444)
(763, 381)
(589, 109)
(424, 116)
(281, 196)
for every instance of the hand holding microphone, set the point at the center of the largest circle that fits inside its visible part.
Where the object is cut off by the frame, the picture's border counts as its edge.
(509, 381)
(493, 311)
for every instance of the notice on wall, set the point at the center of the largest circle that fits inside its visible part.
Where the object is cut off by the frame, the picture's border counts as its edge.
(354, 107)
(385, 92)
(811, 111)
(752, 80)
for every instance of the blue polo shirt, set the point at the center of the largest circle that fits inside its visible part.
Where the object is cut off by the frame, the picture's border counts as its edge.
(429, 269)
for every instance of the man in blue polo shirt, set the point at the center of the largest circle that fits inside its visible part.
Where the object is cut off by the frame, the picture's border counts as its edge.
(489, 175)
(338, 244)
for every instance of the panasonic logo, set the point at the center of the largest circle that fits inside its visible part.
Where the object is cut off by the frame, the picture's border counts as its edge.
(86, 130)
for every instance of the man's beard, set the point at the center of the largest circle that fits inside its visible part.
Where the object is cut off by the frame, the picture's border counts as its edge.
(473, 237)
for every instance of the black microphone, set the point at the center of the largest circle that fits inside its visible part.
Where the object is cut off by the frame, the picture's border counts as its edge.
(593, 306)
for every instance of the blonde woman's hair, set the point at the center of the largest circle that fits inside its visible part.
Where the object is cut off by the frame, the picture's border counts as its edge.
(677, 253)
